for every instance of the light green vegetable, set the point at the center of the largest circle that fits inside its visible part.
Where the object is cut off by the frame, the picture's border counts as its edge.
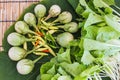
(73, 69)
(90, 32)
(87, 10)
(64, 57)
(61, 71)
(46, 77)
(40, 10)
(107, 33)
(108, 49)
(25, 66)
(30, 19)
(52, 70)
(16, 53)
(90, 44)
(92, 19)
(54, 11)
(111, 21)
(87, 58)
(64, 17)
(71, 27)
(22, 28)
(64, 39)
(45, 67)
(15, 39)
(64, 78)
(55, 77)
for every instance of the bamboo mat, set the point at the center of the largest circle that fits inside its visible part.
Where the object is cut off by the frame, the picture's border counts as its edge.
(9, 12)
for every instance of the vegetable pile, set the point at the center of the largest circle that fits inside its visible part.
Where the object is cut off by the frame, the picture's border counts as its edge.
(84, 48)
(40, 32)
(94, 55)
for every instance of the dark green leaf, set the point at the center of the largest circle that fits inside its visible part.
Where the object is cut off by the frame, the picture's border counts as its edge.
(74, 3)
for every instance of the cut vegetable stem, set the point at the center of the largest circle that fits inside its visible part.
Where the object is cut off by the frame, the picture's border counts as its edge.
(38, 59)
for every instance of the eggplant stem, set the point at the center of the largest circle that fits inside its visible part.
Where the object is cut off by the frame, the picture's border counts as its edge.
(38, 59)
(48, 17)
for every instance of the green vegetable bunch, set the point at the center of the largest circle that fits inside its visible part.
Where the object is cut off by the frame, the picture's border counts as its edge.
(38, 30)
(94, 54)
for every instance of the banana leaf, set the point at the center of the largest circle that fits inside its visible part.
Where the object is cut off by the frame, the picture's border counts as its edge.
(7, 67)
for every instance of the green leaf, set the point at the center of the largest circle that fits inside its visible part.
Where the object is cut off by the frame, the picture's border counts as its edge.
(109, 2)
(111, 20)
(62, 71)
(89, 71)
(74, 69)
(107, 33)
(45, 67)
(92, 19)
(100, 3)
(90, 44)
(80, 78)
(107, 48)
(88, 10)
(52, 70)
(87, 58)
(74, 3)
(55, 77)
(64, 57)
(46, 77)
(91, 32)
(64, 78)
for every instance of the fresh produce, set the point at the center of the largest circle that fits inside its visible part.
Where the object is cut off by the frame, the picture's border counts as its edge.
(40, 33)
(40, 10)
(25, 66)
(64, 39)
(22, 28)
(71, 27)
(16, 39)
(16, 53)
(54, 11)
(83, 45)
(30, 19)
(64, 17)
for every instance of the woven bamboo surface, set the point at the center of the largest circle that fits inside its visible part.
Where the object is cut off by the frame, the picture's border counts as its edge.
(9, 12)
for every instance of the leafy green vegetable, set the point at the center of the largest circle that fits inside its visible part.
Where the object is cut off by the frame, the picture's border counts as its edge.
(55, 77)
(90, 44)
(91, 32)
(64, 78)
(52, 70)
(74, 69)
(64, 56)
(45, 67)
(107, 33)
(46, 77)
(111, 20)
(92, 19)
(88, 10)
(61, 71)
(87, 58)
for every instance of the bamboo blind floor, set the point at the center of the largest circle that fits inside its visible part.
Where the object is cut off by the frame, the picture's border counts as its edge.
(9, 12)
